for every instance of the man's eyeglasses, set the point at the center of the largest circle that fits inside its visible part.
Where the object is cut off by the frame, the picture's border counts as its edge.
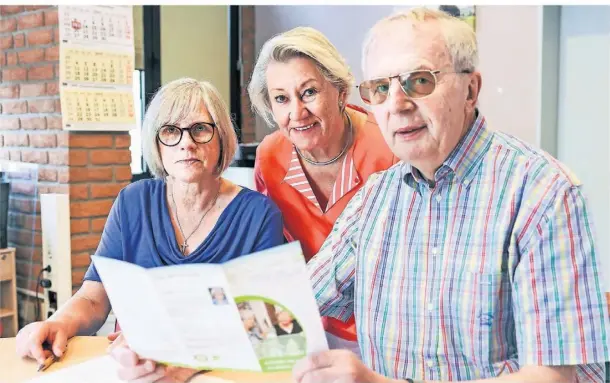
(201, 133)
(416, 84)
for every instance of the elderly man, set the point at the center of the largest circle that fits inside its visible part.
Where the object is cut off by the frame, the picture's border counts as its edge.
(473, 258)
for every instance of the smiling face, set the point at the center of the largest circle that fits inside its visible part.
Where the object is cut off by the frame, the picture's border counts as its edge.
(304, 103)
(421, 132)
(189, 161)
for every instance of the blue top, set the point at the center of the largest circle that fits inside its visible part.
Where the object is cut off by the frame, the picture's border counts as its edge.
(139, 229)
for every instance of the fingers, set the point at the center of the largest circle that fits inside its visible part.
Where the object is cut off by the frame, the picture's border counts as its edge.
(145, 372)
(125, 356)
(311, 363)
(35, 341)
(60, 343)
(112, 336)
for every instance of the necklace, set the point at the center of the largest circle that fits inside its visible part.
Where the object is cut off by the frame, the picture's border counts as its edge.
(334, 159)
(185, 245)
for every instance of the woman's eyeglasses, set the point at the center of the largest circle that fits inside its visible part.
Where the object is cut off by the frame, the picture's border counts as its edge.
(201, 133)
(416, 84)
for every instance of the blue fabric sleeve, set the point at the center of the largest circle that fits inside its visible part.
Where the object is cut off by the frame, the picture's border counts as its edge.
(271, 233)
(111, 243)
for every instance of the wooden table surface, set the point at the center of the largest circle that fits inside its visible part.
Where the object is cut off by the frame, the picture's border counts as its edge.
(17, 370)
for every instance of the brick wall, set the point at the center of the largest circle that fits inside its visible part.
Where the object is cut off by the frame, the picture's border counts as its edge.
(248, 121)
(91, 167)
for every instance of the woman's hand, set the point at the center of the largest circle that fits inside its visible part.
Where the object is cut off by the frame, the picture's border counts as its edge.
(134, 369)
(31, 338)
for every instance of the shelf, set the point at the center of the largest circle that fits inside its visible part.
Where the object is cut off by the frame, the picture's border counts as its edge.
(6, 313)
(6, 279)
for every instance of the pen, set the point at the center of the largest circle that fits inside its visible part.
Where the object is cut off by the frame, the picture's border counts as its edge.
(50, 360)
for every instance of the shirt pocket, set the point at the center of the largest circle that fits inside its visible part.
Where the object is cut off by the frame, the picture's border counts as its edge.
(477, 317)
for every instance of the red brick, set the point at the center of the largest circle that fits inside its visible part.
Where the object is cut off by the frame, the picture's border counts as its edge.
(79, 191)
(81, 259)
(15, 155)
(31, 20)
(8, 25)
(97, 225)
(63, 139)
(19, 40)
(90, 140)
(14, 107)
(63, 175)
(6, 42)
(15, 139)
(34, 156)
(47, 174)
(11, 58)
(33, 90)
(33, 123)
(106, 190)
(109, 157)
(55, 189)
(10, 9)
(5, 155)
(2, 59)
(15, 74)
(53, 88)
(78, 226)
(39, 140)
(58, 106)
(94, 208)
(78, 275)
(44, 72)
(35, 7)
(42, 106)
(40, 37)
(54, 123)
(78, 157)
(9, 123)
(90, 174)
(31, 56)
(1, 140)
(59, 157)
(52, 53)
(10, 91)
(56, 35)
(51, 17)
(122, 141)
(122, 173)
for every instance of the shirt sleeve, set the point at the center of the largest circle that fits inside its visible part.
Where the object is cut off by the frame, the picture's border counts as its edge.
(111, 243)
(560, 310)
(332, 270)
(258, 178)
(270, 233)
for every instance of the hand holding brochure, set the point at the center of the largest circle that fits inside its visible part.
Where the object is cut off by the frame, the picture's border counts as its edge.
(253, 313)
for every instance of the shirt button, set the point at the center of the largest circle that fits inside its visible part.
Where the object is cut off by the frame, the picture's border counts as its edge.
(430, 363)
(439, 198)
(356, 180)
(434, 250)
(430, 307)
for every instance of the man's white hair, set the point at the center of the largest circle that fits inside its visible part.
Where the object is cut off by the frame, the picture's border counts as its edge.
(460, 38)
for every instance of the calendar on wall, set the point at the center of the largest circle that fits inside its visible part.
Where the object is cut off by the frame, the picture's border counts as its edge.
(97, 58)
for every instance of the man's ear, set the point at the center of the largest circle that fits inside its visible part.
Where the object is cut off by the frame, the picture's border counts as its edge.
(474, 88)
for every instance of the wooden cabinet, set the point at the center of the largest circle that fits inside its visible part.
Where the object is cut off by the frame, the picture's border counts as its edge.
(8, 294)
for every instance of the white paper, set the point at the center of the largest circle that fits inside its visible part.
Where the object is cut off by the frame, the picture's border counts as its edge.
(254, 313)
(98, 370)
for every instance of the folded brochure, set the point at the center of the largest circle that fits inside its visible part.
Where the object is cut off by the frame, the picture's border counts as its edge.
(253, 313)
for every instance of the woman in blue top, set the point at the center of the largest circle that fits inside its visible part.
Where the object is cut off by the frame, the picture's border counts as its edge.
(187, 214)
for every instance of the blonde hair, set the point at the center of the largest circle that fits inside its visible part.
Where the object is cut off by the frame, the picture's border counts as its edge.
(460, 38)
(298, 42)
(175, 101)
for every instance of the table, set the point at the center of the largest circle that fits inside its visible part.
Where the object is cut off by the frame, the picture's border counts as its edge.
(17, 370)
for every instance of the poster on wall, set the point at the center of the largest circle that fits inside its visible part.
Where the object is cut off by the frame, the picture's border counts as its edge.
(464, 12)
(97, 59)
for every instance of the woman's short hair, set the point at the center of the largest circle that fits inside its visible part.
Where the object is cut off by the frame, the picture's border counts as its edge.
(298, 42)
(174, 102)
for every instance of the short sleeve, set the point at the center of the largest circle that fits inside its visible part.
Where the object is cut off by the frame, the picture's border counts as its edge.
(270, 233)
(332, 270)
(111, 243)
(560, 310)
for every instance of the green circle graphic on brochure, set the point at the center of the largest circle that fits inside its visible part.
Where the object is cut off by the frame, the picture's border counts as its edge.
(275, 333)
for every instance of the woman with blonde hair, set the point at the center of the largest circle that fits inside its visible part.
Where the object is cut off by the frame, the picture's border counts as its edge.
(324, 149)
(187, 214)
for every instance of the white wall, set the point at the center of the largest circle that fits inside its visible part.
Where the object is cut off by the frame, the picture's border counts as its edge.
(584, 110)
